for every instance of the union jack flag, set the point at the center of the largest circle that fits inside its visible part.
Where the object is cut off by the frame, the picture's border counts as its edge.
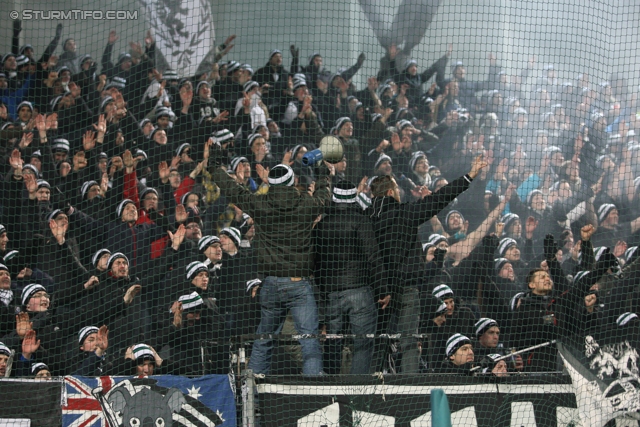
(81, 408)
(208, 400)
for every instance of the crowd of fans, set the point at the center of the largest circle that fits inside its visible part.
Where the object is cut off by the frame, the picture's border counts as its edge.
(145, 213)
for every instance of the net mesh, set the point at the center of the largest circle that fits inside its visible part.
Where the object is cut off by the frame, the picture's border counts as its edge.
(340, 205)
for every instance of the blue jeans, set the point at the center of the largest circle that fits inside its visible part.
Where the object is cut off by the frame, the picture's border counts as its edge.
(359, 307)
(277, 295)
(406, 322)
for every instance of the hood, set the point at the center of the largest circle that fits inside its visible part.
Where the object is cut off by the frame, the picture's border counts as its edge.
(380, 205)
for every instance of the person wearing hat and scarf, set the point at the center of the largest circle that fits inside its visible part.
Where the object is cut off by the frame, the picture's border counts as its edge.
(259, 155)
(396, 224)
(273, 72)
(343, 129)
(133, 76)
(459, 356)
(544, 312)
(419, 166)
(238, 268)
(7, 302)
(285, 263)
(141, 360)
(60, 257)
(352, 275)
(610, 231)
(414, 80)
(190, 322)
(258, 116)
(488, 344)
(5, 355)
(93, 342)
(301, 122)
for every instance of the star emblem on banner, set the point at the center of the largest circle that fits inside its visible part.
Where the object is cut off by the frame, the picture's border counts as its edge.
(194, 392)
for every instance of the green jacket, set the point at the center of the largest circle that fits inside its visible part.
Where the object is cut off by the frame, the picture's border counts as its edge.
(283, 219)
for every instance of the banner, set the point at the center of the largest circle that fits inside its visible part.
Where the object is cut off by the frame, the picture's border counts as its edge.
(183, 31)
(33, 403)
(605, 379)
(405, 402)
(165, 400)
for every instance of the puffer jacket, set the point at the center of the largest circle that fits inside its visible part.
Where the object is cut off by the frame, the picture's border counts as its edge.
(283, 220)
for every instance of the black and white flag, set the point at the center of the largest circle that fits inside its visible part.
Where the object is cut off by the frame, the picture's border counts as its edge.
(605, 379)
(183, 30)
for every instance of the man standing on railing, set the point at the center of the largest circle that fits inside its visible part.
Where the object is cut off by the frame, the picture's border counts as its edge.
(396, 226)
(283, 220)
(350, 271)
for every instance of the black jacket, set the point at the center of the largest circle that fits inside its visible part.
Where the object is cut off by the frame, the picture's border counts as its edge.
(347, 254)
(396, 225)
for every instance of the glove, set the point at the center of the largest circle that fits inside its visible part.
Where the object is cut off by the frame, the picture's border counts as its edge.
(361, 59)
(438, 256)
(550, 247)
(217, 158)
(607, 261)
(59, 30)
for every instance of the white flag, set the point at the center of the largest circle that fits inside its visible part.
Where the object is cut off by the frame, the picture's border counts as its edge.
(183, 31)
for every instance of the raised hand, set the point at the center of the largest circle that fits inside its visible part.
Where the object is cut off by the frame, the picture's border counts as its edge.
(127, 159)
(620, 248)
(362, 186)
(92, 282)
(286, 159)
(41, 124)
(181, 214)
(26, 139)
(89, 140)
(15, 160)
(79, 161)
(175, 161)
(30, 183)
(58, 231)
(178, 237)
(113, 37)
(224, 115)
(52, 121)
(148, 38)
(499, 228)
(586, 232)
(263, 173)
(101, 126)
(331, 167)
(477, 165)
(163, 171)
(30, 344)
(131, 293)
(102, 340)
(23, 324)
(162, 86)
(384, 302)
(75, 89)
(176, 309)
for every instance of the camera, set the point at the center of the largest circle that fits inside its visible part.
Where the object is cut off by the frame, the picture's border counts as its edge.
(463, 115)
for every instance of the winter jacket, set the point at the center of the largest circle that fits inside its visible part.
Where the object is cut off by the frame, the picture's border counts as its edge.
(347, 254)
(396, 225)
(283, 219)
